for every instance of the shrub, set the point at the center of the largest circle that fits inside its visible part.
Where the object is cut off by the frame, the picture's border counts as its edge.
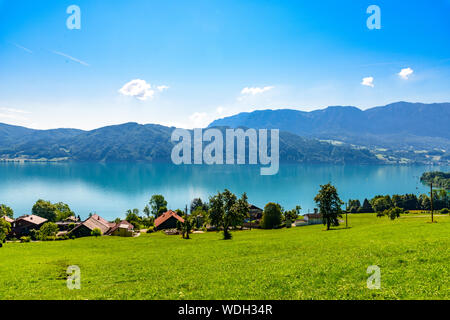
(48, 231)
(25, 239)
(96, 232)
(394, 213)
(444, 211)
(288, 223)
(151, 229)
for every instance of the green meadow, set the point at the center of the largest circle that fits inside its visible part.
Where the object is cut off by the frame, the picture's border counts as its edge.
(296, 263)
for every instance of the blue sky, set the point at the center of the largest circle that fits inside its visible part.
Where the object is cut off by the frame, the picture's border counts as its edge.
(194, 61)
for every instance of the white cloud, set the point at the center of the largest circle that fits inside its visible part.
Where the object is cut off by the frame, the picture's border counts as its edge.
(11, 110)
(199, 119)
(405, 73)
(139, 89)
(162, 88)
(256, 90)
(220, 110)
(368, 81)
(14, 114)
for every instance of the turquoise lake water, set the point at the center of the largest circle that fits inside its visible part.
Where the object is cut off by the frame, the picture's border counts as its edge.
(111, 189)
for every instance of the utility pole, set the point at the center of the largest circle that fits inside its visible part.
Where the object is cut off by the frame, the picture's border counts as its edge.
(431, 199)
(346, 219)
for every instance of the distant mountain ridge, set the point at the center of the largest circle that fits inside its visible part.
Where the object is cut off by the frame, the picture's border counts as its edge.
(400, 124)
(397, 133)
(132, 142)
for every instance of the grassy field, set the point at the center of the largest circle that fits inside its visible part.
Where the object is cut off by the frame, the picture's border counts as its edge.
(296, 263)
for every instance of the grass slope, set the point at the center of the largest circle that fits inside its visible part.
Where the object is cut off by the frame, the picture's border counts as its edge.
(297, 263)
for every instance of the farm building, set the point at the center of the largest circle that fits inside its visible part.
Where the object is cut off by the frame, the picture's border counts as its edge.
(84, 229)
(167, 220)
(94, 222)
(313, 218)
(66, 224)
(24, 224)
(255, 212)
(122, 229)
(8, 219)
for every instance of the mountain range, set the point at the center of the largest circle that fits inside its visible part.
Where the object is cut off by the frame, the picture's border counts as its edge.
(400, 124)
(397, 133)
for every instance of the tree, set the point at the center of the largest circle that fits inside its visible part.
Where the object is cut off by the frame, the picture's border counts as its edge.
(185, 227)
(425, 202)
(198, 203)
(5, 228)
(6, 211)
(45, 209)
(158, 205)
(96, 232)
(147, 211)
(134, 218)
(366, 207)
(271, 216)
(394, 213)
(381, 203)
(225, 211)
(329, 205)
(293, 214)
(198, 215)
(48, 230)
(63, 211)
(354, 206)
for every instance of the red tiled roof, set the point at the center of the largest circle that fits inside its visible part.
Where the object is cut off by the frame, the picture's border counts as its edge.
(165, 216)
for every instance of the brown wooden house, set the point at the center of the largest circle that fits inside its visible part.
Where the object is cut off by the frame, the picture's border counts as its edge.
(167, 220)
(24, 224)
(94, 222)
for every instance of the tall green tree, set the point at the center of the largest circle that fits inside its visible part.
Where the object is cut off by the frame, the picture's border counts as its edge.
(225, 211)
(198, 203)
(272, 216)
(6, 211)
(366, 207)
(329, 205)
(63, 211)
(134, 218)
(158, 205)
(45, 209)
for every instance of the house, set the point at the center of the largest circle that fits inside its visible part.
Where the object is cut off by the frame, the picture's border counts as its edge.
(313, 218)
(24, 224)
(300, 223)
(85, 228)
(255, 212)
(167, 220)
(66, 224)
(122, 229)
(8, 219)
